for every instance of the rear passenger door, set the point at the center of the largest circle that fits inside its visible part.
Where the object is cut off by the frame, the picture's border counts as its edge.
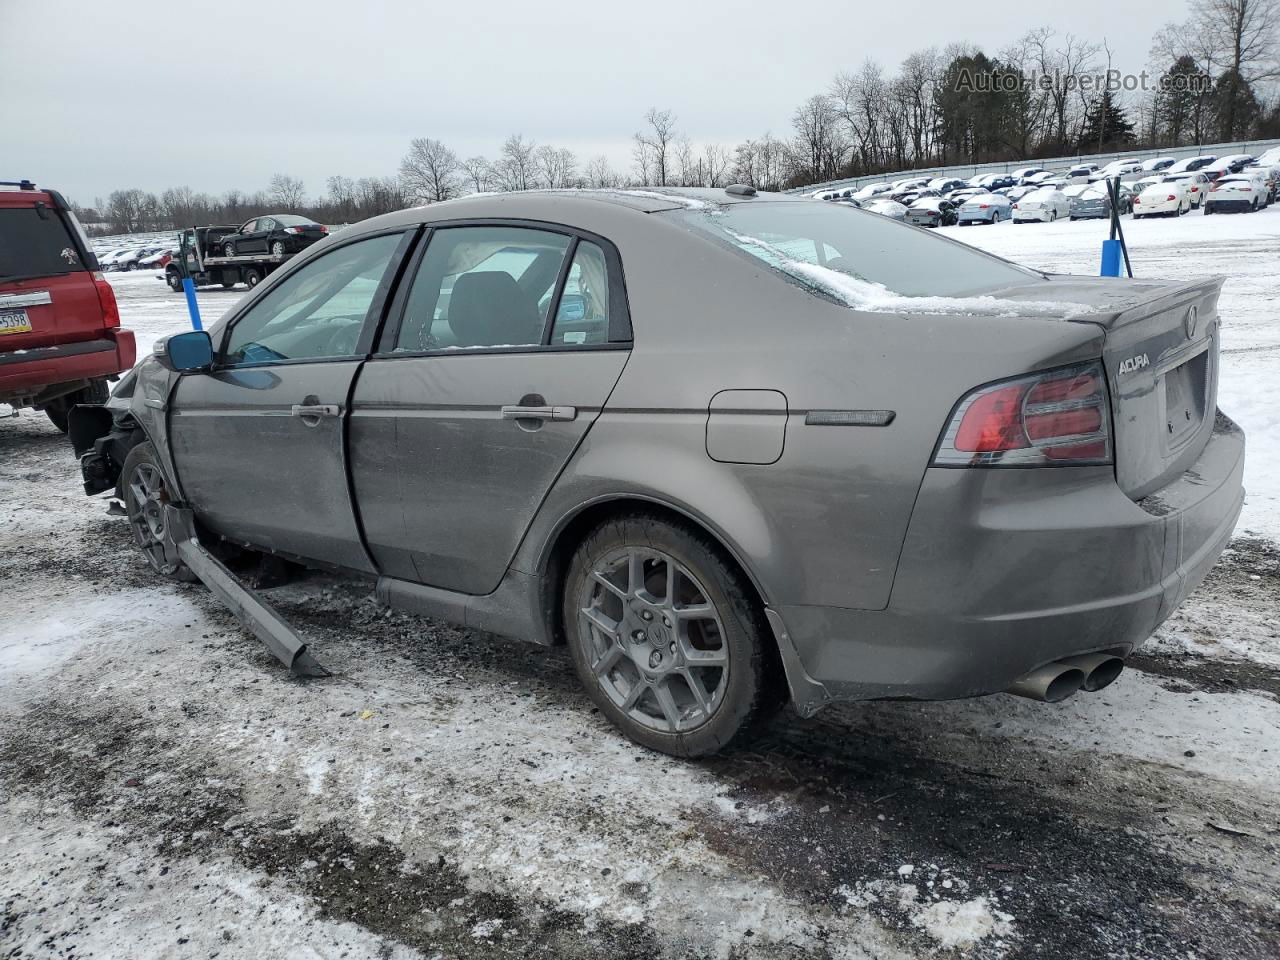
(498, 358)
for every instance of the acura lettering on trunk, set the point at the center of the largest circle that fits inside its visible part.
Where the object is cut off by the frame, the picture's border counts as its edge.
(734, 449)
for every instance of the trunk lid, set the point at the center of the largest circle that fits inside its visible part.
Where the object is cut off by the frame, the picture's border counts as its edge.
(1161, 360)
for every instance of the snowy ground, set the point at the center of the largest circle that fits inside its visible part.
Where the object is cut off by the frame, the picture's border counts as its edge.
(166, 791)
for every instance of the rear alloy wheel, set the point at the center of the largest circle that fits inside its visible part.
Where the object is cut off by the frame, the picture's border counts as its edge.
(228, 249)
(666, 636)
(174, 279)
(145, 497)
(995, 216)
(277, 248)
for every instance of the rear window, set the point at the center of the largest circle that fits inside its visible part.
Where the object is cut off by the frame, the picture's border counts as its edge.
(32, 245)
(836, 251)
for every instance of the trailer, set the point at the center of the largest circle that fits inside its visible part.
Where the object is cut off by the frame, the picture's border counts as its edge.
(200, 248)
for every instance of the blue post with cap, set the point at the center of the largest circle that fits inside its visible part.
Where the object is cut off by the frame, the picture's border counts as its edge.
(188, 285)
(1111, 257)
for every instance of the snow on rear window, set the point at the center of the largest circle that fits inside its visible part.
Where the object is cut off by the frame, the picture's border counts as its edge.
(864, 260)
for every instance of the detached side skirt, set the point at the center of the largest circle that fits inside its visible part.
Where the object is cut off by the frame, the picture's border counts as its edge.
(258, 616)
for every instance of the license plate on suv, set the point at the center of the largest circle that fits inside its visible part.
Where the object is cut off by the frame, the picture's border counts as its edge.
(14, 321)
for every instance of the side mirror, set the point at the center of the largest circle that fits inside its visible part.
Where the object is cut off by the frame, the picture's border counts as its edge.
(184, 352)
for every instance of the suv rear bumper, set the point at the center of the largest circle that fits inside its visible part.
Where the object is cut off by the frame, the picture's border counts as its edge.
(1003, 571)
(30, 373)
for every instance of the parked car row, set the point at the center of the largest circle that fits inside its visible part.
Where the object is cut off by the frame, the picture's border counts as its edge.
(135, 257)
(1156, 186)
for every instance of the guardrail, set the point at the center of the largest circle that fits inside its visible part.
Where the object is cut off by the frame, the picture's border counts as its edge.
(964, 171)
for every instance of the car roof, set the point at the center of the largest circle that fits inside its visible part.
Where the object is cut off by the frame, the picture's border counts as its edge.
(566, 204)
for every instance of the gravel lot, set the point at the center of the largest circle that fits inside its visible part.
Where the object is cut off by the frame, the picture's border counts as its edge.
(167, 791)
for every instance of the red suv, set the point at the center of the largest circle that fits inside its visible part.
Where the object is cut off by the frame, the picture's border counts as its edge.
(60, 336)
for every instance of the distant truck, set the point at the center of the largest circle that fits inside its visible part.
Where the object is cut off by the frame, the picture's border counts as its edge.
(202, 248)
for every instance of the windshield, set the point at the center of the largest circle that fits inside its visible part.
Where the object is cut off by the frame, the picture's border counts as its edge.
(809, 241)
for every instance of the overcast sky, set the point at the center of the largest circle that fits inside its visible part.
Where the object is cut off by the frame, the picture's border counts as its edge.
(98, 96)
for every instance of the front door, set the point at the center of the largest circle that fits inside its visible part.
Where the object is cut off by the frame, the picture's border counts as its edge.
(461, 426)
(259, 443)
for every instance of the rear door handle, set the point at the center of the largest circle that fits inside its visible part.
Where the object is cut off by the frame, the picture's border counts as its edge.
(314, 410)
(539, 413)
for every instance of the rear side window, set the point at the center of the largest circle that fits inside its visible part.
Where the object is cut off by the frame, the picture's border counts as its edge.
(32, 245)
(483, 287)
(583, 314)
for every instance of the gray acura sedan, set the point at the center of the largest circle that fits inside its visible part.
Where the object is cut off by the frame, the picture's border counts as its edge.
(732, 448)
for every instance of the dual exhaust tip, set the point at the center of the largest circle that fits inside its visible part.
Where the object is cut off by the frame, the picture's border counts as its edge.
(1056, 681)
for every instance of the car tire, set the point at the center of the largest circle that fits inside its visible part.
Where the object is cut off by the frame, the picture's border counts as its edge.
(252, 277)
(59, 411)
(145, 491)
(636, 655)
(995, 217)
(277, 248)
(228, 249)
(174, 279)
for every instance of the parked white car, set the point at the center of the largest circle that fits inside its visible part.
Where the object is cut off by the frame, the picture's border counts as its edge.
(1191, 164)
(1024, 172)
(1117, 168)
(871, 190)
(1243, 192)
(1197, 183)
(1046, 205)
(1169, 199)
(1155, 164)
(1271, 158)
(1232, 163)
(1082, 170)
(887, 208)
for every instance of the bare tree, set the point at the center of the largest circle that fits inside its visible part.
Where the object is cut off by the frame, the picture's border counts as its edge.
(430, 171)
(1242, 35)
(286, 192)
(599, 174)
(478, 172)
(654, 146)
(516, 168)
(817, 141)
(557, 167)
(715, 163)
(1061, 65)
(341, 192)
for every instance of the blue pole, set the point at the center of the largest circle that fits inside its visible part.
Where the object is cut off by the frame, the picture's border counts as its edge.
(1111, 258)
(189, 287)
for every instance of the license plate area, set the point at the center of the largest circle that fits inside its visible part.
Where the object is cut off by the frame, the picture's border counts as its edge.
(14, 321)
(1184, 393)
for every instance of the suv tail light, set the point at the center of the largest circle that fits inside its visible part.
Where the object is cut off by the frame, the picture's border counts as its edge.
(1056, 417)
(106, 300)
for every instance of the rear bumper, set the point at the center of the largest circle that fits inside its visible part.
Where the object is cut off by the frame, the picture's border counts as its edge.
(26, 375)
(1003, 571)
(1229, 206)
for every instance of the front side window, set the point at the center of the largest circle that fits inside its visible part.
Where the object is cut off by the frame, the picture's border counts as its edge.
(317, 311)
(482, 287)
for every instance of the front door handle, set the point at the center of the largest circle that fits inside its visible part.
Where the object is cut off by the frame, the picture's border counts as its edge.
(539, 413)
(316, 410)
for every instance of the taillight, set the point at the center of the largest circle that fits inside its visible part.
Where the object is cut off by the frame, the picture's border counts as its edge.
(1056, 417)
(106, 300)
(292, 229)
(1171, 197)
(1137, 199)
(983, 206)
